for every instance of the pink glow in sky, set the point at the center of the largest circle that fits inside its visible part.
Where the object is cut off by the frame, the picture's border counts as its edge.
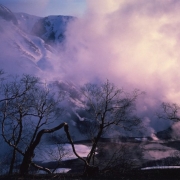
(134, 42)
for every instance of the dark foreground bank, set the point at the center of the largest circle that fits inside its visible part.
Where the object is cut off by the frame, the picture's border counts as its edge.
(161, 174)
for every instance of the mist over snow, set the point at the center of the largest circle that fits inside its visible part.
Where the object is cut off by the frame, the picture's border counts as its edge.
(133, 43)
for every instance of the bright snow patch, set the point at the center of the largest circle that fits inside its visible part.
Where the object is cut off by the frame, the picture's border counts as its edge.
(161, 167)
(59, 170)
(49, 153)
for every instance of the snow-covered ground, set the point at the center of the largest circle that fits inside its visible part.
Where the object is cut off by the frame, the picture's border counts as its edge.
(49, 153)
(59, 170)
(156, 151)
(56, 152)
(161, 167)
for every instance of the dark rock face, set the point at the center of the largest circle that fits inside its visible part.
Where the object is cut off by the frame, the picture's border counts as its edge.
(6, 14)
(165, 134)
(52, 28)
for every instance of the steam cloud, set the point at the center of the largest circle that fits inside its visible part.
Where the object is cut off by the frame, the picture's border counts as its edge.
(134, 44)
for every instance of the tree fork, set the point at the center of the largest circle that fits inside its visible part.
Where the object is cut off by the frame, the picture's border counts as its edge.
(89, 170)
(29, 154)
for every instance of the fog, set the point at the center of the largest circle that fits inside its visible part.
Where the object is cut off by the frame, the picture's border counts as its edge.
(134, 44)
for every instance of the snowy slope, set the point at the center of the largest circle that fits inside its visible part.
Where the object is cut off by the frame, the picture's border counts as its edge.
(20, 51)
(26, 22)
(24, 45)
(29, 46)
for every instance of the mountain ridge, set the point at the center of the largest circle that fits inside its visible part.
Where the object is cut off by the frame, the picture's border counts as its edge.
(7, 14)
(29, 43)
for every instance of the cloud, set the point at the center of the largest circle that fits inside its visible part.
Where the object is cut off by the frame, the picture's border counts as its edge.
(33, 7)
(136, 43)
(132, 43)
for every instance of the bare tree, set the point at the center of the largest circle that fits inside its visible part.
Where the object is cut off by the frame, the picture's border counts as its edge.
(170, 111)
(27, 107)
(58, 151)
(108, 107)
(120, 159)
(13, 94)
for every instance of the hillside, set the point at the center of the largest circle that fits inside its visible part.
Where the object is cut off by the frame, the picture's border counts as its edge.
(28, 43)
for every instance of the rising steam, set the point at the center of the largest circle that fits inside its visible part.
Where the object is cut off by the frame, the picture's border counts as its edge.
(134, 44)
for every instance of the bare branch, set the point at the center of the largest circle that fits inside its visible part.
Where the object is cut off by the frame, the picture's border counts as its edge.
(170, 111)
(41, 168)
(66, 129)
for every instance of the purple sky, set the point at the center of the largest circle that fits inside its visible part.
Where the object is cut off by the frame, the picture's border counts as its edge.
(47, 7)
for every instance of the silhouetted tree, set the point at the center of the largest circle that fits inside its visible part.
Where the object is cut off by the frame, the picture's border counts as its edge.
(170, 111)
(26, 108)
(107, 107)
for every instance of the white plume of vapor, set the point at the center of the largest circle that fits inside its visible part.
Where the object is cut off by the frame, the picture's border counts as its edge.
(132, 43)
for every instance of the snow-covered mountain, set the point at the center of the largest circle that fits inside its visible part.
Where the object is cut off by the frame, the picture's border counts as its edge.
(32, 45)
(52, 28)
(28, 42)
(28, 45)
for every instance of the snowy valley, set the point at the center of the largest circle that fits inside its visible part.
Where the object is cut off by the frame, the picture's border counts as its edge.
(36, 46)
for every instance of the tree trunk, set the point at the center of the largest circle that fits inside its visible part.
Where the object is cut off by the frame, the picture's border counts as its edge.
(91, 171)
(29, 154)
(92, 152)
(12, 162)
